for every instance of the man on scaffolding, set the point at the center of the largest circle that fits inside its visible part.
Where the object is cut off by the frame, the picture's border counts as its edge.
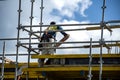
(50, 36)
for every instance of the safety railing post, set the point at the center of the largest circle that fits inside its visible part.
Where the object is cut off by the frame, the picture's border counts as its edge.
(41, 16)
(102, 40)
(30, 36)
(90, 61)
(3, 62)
(18, 38)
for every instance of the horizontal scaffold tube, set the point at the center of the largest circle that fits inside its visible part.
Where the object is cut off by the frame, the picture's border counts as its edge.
(84, 46)
(61, 25)
(87, 28)
(112, 21)
(61, 30)
(22, 54)
(116, 41)
(2, 39)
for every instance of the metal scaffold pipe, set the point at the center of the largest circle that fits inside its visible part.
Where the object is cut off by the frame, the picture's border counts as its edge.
(73, 42)
(41, 16)
(79, 24)
(3, 61)
(22, 54)
(78, 29)
(90, 61)
(11, 39)
(70, 47)
(31, 33)
(88, 28)
(18, 36)
(62, 30)
(30, 49)
(27, 26)
(7, 39)
(113, 21)
(31, 22)
(101, 48)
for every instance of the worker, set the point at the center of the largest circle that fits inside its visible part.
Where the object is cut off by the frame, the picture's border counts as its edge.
(49, 35)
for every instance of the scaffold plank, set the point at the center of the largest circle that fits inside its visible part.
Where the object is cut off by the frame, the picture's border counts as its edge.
(75, 56)
(23, 76)
(73, 68)
(31, 75)
(7, 65)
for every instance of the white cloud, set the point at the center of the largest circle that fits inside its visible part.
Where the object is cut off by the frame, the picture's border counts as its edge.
(67, 7)
(84, 5)
(76, 35)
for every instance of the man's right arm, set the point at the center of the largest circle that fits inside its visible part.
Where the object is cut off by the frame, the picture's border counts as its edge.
(63, 40)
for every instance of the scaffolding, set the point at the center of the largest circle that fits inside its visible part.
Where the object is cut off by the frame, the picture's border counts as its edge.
(3, 61)
(28, 46)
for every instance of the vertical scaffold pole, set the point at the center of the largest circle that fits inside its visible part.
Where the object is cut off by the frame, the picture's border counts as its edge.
(30, 36)
(31, 21)
(18, 38)
(90, 61)
(41, 16)
(102, 40)
(3, 61)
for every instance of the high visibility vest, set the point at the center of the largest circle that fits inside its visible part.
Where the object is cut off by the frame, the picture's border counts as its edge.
(53, 28)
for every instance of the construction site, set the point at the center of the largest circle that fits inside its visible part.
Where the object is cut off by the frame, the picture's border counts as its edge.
(92, 66)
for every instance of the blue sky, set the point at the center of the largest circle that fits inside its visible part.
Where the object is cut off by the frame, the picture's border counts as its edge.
(61, 11)
(93, 12)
